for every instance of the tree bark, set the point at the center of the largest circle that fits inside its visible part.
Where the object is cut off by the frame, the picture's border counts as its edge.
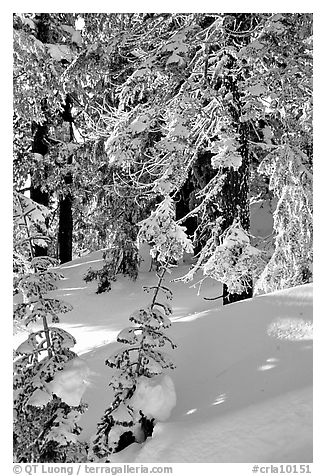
(235, 190)
(65, 228)
(39, 132)
(36, 193)
(66, 199)
(235, 204)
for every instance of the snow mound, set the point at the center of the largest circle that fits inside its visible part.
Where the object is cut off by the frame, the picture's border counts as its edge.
(155, 397)
(69, 384)
(39, 398)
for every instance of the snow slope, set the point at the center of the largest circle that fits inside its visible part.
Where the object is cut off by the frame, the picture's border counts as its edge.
(244, 372)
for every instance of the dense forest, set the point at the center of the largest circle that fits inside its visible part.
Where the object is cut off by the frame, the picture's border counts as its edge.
(162, 129)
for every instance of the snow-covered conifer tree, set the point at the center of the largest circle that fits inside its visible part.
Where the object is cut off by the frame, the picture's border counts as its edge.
(291, 182)
(141, 362)
(229, 258)
(48, 375)
(46, 407)
(234, 262)
(120, 257)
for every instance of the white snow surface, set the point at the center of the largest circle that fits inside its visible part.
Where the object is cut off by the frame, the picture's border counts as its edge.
(39, 398)
(243, 380)
(70, 383)
(155, 397)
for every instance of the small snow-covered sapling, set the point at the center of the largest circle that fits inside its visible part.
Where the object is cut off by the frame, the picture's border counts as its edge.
(140, 364)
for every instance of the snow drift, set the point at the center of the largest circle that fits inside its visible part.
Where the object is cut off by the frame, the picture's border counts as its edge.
(243, 381)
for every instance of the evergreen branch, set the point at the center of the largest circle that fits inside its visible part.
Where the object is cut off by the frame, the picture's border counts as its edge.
(214, 298)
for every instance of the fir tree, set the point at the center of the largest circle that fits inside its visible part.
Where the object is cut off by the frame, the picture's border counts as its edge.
(291, 182)
(141, 357)
(200, 101)
(45, 421)
(44, 424)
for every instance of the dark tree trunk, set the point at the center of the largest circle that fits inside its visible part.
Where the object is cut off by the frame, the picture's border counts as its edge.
(65, 229)
(42, 198)
(235, 190)
(39, 132)
(235, 204)
(36, 193)
(183, 206)
(66, 199)
(203, 173)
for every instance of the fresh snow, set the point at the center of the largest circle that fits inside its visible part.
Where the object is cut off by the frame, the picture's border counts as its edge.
(155, 397)
(70, 383)
(243, 377)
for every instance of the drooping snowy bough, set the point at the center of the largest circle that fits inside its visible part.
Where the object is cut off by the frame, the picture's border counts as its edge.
(230, 259)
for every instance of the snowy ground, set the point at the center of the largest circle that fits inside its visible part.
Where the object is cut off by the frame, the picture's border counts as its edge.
(244, 372)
